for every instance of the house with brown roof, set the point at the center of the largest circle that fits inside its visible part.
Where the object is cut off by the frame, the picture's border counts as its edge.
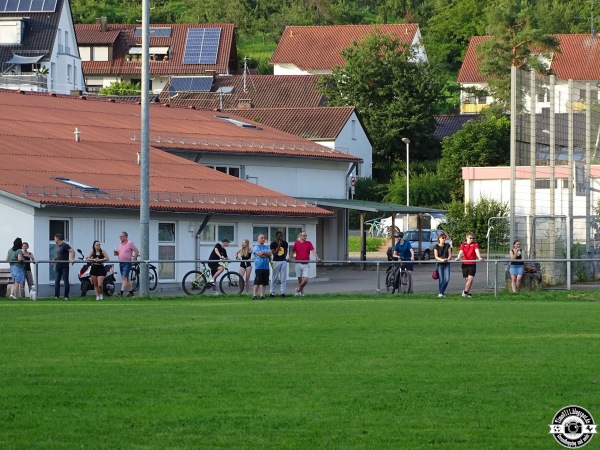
(578, 60)
(317, 50)
(112, 52)
(291, 103)
(70, 166)
(38, 51)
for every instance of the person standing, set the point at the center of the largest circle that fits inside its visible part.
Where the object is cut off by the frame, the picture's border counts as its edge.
(517, 266)
(97, 272)
(15, 259)
(126, 252)
(403, 250)
(27, 260)
(219, 252)
(443, 254)
(64, 255)
(279, 249)
(469, 252)
(245, 254)
(301, 250)
(262, 258)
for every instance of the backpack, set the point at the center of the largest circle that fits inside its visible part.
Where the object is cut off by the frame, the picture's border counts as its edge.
(389, 253)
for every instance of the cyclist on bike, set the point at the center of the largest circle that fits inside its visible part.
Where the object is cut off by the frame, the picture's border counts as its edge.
(218, 253)
(403, 250)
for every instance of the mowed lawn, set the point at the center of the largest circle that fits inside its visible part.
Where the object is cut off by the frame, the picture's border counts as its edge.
(322, 372)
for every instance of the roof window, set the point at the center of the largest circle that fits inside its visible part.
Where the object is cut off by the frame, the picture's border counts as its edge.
(11, 31)
(238, 123)
(78, 185)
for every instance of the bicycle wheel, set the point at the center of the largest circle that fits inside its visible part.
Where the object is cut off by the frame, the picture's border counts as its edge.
(152, 278)
(134, 277)
(194, 282)
(231, 283)
(390, 277)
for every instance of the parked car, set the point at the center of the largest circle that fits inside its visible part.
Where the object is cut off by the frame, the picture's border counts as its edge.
(430, 238)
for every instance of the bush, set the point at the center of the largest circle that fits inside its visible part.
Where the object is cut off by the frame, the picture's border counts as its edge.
(373, 243)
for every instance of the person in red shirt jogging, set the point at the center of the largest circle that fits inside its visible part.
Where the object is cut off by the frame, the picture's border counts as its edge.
(469, 252)
(301, 251)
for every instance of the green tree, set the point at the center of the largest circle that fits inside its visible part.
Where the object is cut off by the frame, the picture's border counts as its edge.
(426, 190)
(514, 41)
(121, 88)
(479, 143)
(474, 217)
(395, 96)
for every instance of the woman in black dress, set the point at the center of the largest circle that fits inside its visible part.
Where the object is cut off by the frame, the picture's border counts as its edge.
(96, 258)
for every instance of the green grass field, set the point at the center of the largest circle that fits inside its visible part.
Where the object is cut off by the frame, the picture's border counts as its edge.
(342, 372)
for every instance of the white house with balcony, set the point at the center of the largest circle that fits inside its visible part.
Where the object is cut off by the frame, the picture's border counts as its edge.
(38, 50)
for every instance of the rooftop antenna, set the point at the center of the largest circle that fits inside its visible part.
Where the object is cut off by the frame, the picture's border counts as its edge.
(245, 73)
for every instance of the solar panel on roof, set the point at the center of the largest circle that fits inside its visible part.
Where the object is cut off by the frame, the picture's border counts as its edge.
(155, 32)
(202, 46)
(14, 6)
(190, 84)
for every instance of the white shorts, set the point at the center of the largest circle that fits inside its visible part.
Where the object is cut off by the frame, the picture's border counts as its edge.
(302, 270)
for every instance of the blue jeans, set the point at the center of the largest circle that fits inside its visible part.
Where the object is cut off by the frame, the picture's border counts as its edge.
(61, 271)
(444, 277)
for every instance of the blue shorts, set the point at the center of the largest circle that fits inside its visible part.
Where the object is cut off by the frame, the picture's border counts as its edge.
(125, 268)
(516, 270)
(17, 273)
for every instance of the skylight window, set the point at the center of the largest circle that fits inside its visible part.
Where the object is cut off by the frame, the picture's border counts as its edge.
(82, 186)
(238, 123)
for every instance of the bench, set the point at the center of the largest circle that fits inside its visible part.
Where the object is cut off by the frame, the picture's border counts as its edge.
(5, 280)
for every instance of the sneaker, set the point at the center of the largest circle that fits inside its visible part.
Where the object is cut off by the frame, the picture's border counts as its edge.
(297, 293)
(254, 297)
(301, 294)
(441, 295)
(120, 294)
(102, 297)
(131, 294)
(465, 295)
(469, 295)
(97, 297)
(66, 298)
(13, 297)
(262, 298)
(282, 295)
(215, 293)
(272, 295)
(211, 283)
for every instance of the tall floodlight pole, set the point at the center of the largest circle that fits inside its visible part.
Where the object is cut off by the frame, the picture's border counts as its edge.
(145, 151)
(407, 142)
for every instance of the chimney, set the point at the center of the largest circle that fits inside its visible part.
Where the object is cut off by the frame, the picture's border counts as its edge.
(244, 103)
(102, 23)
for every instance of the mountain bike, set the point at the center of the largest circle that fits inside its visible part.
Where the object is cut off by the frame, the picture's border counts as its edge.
(196, 281)
(398, 278)
(134, 276)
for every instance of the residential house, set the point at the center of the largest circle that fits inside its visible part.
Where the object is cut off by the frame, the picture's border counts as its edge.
(112, 52)
(578, 60)
(317, 50)
(296, 104)
(38, 51)
(70, 166)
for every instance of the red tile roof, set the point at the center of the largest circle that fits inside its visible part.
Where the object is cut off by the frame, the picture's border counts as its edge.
(320, 47)
(89, 34)
(324, 123)
(263, 91)
(579, 59)
(39, 145)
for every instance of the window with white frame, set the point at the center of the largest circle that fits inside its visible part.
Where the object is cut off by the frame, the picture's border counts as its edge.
(166, 250)
(234, 171)
(218, 232)
(290, 233)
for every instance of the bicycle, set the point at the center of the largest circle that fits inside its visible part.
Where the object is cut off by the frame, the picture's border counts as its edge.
(196, 281)
(134, 276)
(398, 278)
(376, 229)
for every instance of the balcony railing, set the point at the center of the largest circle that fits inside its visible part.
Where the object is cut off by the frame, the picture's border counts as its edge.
(472, 108)
(26, 81)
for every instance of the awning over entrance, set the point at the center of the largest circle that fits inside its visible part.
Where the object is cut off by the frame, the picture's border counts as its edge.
(18, 59)
(376, 207)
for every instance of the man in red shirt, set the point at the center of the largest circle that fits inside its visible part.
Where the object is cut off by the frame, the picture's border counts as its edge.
(302, 250)
(469, 252)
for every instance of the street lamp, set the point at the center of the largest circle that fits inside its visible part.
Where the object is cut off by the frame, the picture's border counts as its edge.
(407, 142)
